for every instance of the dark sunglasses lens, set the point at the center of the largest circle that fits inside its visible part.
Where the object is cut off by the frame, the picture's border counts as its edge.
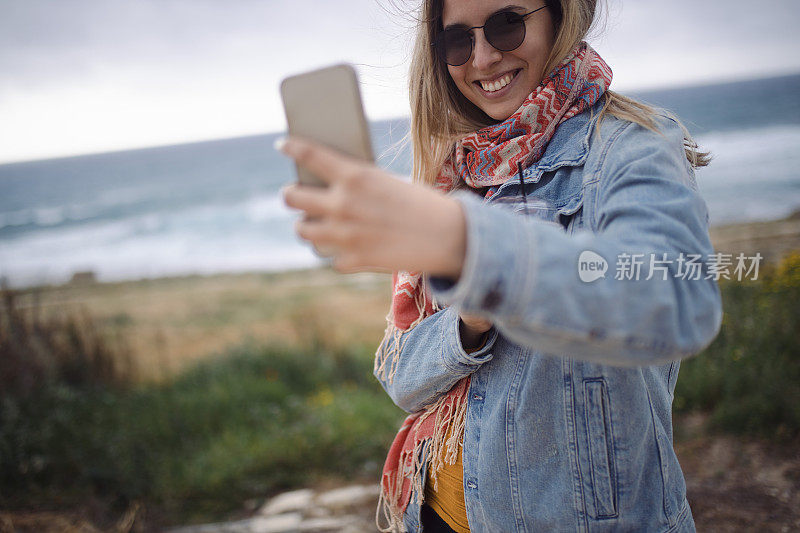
(505, 30)
(455, 46)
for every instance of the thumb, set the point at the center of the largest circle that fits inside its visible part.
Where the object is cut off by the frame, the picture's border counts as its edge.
(475, 322)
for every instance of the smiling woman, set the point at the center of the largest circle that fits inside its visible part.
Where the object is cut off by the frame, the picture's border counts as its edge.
(538, 399)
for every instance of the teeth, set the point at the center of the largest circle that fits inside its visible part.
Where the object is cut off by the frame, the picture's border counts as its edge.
(496, 85)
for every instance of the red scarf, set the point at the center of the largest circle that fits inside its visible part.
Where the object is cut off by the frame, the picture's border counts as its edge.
(487, 157)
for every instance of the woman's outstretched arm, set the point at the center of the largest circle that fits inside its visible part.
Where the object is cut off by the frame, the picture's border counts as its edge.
(524, 275)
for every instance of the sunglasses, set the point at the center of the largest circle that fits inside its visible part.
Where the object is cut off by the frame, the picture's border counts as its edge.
(504, 30)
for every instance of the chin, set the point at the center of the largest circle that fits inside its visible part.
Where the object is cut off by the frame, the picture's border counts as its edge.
(502, 112)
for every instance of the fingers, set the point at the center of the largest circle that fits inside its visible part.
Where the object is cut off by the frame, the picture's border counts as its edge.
(342, 236)
(335, 242)
(313, 200)
(314, 230)
(327, 164)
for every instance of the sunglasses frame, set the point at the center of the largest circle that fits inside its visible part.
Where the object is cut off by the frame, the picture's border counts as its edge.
(441, 52)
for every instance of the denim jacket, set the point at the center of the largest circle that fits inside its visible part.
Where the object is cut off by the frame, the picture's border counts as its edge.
(569, 414)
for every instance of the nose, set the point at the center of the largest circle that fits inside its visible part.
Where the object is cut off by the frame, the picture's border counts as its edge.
(484, 54)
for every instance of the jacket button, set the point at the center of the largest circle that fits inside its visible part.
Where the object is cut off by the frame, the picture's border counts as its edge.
(471, 484)
(477, 397)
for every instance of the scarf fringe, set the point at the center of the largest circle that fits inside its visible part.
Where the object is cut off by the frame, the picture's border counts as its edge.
(388, 500)
(450, 413)
(388, 353)
(450, 418)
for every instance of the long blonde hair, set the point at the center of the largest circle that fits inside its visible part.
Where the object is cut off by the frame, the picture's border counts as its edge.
(440, 114)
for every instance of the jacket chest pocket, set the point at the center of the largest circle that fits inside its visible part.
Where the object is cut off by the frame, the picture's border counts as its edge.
(564, 213)
(570, 214)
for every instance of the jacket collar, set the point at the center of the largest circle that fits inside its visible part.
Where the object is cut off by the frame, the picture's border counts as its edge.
(569, 145)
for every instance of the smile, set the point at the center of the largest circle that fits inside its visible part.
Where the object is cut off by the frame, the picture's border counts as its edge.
(494, 86)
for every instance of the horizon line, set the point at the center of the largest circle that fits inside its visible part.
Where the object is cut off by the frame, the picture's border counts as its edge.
(642, 91)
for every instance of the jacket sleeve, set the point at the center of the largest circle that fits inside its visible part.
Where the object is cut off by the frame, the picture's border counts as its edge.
(524, 274)
(429, 360)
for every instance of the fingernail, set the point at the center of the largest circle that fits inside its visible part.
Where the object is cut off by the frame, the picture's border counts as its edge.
(279, 143)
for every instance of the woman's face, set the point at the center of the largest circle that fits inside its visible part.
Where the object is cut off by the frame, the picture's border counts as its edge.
(487, 65)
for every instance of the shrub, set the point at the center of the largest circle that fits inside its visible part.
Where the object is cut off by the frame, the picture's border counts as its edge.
(242, 425)
(69, 349)
(749, 377)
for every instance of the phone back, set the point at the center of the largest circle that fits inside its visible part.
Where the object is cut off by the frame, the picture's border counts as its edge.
(325, 105)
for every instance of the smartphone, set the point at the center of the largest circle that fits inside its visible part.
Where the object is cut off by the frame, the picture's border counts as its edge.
(325, 106)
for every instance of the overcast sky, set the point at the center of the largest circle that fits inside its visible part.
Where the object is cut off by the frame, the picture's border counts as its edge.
(82, 76)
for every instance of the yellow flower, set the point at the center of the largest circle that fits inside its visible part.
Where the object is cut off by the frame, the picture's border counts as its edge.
(322, 398)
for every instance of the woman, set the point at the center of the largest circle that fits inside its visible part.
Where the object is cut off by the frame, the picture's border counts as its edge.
(549, 274)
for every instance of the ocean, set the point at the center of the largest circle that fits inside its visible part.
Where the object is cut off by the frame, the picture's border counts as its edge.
(212, 207)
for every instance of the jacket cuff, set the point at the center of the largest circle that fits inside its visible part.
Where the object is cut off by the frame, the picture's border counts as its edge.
(489, 278)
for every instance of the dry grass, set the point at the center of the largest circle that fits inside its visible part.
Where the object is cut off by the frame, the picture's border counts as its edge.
(65, 346)
(171, 322)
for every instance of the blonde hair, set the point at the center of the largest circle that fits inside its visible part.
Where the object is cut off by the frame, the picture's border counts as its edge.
(440, 114)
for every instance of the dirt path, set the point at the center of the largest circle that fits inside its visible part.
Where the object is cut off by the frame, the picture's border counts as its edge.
(738, 483)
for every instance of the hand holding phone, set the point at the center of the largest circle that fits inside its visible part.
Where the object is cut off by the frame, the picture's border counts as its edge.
(375, 221)
(325, 106)
(361, 215)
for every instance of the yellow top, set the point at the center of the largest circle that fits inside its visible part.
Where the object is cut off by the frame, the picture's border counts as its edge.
(448, 501)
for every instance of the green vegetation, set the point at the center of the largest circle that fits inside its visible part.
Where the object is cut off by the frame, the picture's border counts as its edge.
(748, 379)
(244, 425)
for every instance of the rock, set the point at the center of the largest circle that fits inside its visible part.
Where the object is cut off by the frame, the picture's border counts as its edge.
(343, 510)
(320, 525)
(317, 511)
(250, 505)
(296, 500)
(347, 496)
(284, 523)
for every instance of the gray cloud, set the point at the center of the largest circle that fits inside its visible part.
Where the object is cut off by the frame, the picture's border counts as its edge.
(208, 68)
(43, 40)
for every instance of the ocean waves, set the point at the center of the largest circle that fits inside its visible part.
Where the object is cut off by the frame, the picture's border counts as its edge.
(216, 207)
(754, 173)
(254, 234)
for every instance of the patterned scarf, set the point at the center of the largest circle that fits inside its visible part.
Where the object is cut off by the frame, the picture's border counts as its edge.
(485, 158)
